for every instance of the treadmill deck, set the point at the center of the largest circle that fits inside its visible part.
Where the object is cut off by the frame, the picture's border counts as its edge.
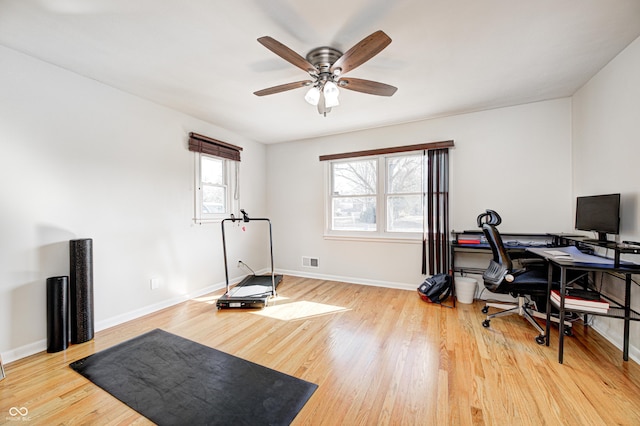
(253, 291)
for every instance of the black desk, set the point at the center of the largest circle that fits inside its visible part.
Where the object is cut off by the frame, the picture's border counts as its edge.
(589, 263)
(515, 243)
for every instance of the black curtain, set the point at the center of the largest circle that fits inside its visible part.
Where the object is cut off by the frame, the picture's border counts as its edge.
(435, 244)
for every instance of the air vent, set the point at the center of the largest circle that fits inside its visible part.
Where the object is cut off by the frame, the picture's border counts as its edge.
(310, 262)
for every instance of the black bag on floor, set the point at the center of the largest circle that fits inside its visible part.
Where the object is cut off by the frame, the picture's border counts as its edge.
(435, 289)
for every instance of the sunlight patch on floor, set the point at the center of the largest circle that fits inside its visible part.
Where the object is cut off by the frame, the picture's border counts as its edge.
(211, 300)
(298, 310)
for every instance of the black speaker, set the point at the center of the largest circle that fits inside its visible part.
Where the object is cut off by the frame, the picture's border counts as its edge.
(57, 313)
(81, 289)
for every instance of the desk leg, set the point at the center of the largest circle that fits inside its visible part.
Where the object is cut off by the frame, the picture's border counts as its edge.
(563, 288)
(549, 283)
(452, 272)
(627, 316)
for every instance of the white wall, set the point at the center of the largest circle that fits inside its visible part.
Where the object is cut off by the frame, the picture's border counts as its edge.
(82, 160)
(513, 160)
(606, 148)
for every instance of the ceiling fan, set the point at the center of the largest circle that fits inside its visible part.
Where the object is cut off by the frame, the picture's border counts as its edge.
(326, 67)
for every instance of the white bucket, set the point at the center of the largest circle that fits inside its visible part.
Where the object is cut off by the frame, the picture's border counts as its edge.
(465, 289)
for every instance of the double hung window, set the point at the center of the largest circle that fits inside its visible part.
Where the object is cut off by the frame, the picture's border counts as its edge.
(216, 182)
(400, 192)
(376, 196)
(217, 171)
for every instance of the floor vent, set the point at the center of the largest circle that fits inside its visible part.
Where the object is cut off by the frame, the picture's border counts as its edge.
(310, 262)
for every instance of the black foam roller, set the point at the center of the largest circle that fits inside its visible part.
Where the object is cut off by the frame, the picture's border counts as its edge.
(57, 313)
(81, 289)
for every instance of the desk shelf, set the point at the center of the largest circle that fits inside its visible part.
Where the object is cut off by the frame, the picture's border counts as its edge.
(613, 312)
(616, 312)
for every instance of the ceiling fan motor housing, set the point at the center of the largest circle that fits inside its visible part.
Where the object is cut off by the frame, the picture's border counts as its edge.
(323, 57)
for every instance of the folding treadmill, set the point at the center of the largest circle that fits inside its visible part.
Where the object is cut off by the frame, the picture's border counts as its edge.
(254, 291)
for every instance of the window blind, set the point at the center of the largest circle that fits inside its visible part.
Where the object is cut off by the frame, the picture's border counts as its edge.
(210, 146)
(391, 150)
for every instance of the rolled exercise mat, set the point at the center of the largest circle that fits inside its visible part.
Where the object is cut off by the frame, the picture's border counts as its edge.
(57, 313)
(81, 289)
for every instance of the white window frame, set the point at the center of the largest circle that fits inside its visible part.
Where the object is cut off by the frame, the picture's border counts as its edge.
(380, 232)
(231, 175)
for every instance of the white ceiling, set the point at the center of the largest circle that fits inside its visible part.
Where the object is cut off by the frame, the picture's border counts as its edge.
(447, 56)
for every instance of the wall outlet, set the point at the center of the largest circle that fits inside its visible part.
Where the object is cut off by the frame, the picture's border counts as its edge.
(155, 283)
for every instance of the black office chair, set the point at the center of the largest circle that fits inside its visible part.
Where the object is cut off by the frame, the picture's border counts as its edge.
(529, 285)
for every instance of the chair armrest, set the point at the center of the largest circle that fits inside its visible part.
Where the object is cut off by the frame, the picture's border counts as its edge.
(532, 261)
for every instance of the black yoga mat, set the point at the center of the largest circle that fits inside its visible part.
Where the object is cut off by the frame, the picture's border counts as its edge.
(175, 381)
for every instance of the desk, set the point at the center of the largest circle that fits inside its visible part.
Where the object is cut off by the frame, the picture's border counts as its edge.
(475, 242)
(589, 263)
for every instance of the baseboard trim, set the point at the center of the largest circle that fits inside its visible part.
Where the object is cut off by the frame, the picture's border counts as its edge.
(351, 280)
(616, 339)
(135, 314)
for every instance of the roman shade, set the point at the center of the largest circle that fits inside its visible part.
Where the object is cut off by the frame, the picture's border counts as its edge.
(390, 150)
(210, 146)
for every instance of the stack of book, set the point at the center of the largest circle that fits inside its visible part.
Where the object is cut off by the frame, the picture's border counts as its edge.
(581, 300)
(469, 240)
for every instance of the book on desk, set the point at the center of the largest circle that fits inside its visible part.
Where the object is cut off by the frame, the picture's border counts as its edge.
(511, 240)
(581, 300)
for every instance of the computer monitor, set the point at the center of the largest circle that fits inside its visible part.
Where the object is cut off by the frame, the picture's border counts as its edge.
(599, 213)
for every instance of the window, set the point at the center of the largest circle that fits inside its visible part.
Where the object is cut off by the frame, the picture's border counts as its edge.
(216, 179)
(366, 191)
(354, 189)
(217, 168)
(398, 192)
(404, 193)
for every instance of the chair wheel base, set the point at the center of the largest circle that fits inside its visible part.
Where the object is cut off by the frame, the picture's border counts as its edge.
(485, 323)
(485, 309)
(540, 340)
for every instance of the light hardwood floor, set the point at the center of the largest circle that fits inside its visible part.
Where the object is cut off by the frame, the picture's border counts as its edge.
(380, 356)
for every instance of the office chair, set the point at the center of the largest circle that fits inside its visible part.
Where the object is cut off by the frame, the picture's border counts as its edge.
(528, 285)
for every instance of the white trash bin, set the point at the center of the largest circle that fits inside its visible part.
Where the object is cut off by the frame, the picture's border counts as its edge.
(466, 289)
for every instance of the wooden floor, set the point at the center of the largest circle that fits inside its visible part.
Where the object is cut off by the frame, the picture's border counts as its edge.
(380, 356)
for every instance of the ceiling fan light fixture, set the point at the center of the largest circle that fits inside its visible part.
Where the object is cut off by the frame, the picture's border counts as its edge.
(312, 96)
(331, 102)
(331, 93)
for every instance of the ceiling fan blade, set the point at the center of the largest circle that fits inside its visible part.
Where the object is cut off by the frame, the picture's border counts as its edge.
(287, 54)
(283, 88)
(366, 49)
(367, 86)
